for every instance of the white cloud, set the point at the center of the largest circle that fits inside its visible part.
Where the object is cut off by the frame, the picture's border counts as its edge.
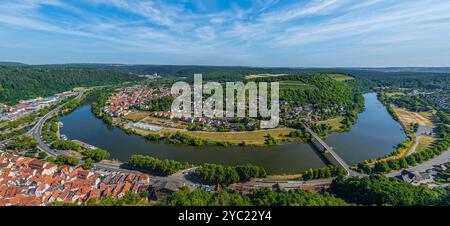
(294, 12)
(160, 27)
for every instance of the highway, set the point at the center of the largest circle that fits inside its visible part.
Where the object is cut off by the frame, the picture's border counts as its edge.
(35, 132)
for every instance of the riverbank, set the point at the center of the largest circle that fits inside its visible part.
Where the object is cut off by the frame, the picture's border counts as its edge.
(257, 138)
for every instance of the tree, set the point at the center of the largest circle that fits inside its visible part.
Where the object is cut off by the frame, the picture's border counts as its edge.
(381, 167)
(219, 174)
(380, 190)
(270, 140)
(97, 154)
(403, 163)
(164, 167)
(30, 154)
(67, 145)
(21, 83)
(393, 164)
(42, 155)
(50, 159)
(88, 164)
(23, 143)
(67, 160)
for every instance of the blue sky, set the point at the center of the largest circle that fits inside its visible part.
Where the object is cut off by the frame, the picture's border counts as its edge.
(315, 33)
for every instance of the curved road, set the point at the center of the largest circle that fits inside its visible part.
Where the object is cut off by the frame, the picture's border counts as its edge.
(35, 132)
(422, 167)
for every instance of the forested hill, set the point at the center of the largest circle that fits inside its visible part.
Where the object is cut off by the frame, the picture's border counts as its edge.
(405, 79)
(216, 73)
(400, 77)
(3, 63)
(318, 89)
(25, 82)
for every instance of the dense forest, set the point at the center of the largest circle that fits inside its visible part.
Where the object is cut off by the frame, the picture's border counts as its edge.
(405, 79)
(380, 190)
(259, 197)
(398, 77)
(324, 91)
(18, 83)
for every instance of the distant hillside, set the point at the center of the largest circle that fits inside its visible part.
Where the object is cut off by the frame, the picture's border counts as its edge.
(239, 72)
(425, 77)
(412, 69)
(405, 79)
(11, 64)
(217, 73)
(17, 83)
(319, 89)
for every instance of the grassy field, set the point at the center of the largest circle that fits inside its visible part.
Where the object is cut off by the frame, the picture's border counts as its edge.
(340, 77)
(287, 177)
(424, 143)
(395, 94)
(407, 117)
(136, 116)
(428, 115)
(334, 122)
(165, 122)
(295, 85)
(263, 76)
(250, 138)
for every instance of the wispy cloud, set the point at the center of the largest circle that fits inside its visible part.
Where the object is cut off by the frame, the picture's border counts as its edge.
(316, 7)
(231, 31)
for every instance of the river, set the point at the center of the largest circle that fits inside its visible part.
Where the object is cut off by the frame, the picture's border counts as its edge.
(374, 135)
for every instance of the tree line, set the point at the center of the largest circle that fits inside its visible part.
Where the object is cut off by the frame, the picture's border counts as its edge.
(225, 175)
(21, 83)
(380, 190)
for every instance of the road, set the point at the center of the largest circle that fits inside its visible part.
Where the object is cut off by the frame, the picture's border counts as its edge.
(438, 160)
(36, 131)
(422, 167)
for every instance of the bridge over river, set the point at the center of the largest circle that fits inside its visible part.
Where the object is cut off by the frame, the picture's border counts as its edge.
(329, 153)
